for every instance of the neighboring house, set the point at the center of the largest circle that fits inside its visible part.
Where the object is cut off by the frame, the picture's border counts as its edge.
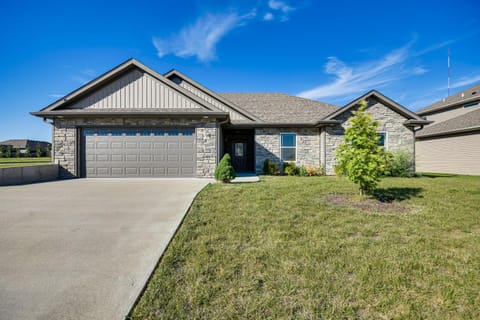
(135, 122)
(452, 143)
(23, 144)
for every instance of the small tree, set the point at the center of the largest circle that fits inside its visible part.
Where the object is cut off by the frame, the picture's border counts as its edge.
(17, 153)
(360, 157)
(38, 150)
(224, 171)
(49, 150)
(27, 152)
(2, 152)
(9, 151)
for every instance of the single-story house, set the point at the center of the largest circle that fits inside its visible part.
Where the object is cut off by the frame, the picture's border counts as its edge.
(134, 122)
(22, 144)
(452, 143)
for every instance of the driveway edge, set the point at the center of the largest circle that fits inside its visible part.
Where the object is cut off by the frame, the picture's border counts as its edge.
(150, 275)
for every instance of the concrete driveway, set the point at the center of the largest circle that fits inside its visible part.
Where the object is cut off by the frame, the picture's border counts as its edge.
(83, 249)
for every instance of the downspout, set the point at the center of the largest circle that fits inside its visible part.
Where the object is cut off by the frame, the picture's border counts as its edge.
(415, 147)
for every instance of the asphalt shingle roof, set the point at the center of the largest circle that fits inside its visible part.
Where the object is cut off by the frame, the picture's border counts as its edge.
(463, 122)
(280, 107)
(467, 94)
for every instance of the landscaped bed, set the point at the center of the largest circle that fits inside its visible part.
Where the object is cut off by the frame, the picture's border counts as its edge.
(291, 247)
(21, 162)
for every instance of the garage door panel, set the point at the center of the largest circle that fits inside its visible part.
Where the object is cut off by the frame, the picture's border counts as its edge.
(139, 153)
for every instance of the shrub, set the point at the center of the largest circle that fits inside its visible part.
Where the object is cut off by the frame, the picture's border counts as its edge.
(17, 153)
(9, 151)
(2, 152)
(302, 171)
(289, 168)
(27, 152)
(401, 164)
(224, 171)
(270, 167)
(49, 150)
(312, 171)
(360, 157)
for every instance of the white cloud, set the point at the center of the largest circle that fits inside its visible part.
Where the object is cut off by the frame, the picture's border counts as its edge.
(282, 8)
(268, 16)
(56, 95)
(349, 79)
(200, 38)
(465, 81)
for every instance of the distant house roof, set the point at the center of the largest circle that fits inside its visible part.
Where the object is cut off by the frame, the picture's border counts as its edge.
(465, 96)
(280, 107)
(464, 123)
(23, 143)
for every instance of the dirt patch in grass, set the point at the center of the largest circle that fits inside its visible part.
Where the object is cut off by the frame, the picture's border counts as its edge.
(366, 204)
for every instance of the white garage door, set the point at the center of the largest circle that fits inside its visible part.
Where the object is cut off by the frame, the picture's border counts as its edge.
(138, 153)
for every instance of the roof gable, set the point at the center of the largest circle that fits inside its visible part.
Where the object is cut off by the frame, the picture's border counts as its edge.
(131, 86)
(463, 123)
(236, 112)
(409, 115)
(465, 96)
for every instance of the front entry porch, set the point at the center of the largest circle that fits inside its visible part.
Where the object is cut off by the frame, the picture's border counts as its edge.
(240, 143)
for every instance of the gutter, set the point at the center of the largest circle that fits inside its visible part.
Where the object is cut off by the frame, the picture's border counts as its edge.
(60, 114)
(450, 132)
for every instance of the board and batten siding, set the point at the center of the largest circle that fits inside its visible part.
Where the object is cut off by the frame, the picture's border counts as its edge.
(459, 154)
(199, 93)
(136, 90)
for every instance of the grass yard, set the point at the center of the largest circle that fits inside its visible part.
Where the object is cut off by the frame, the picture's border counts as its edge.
(279, 249)
(21, 162)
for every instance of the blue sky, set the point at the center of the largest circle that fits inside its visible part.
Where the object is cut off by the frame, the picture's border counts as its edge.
(330, 51)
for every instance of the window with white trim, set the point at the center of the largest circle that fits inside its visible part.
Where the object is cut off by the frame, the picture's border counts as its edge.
(288, 146)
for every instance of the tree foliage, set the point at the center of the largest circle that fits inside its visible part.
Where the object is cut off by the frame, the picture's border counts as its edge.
(38, 150)
(224, 171)
(360, 158)
(9, 151)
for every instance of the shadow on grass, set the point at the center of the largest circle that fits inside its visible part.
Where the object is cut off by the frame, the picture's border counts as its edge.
(435, 175)
(397, 194)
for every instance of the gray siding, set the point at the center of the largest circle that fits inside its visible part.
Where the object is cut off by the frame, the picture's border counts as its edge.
(459, 154)
(220, 105)
(449, 114)
(136, 90)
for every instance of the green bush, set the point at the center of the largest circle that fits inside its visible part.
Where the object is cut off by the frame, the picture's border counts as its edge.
(270, 167)
(2, 152)
(224, 171)
(289, 168)
(38, 150)
(27, 152)
(302, 171)
(401, 164)
(9, 151)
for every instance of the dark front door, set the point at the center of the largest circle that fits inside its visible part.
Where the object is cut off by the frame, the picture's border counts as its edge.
(239, 144)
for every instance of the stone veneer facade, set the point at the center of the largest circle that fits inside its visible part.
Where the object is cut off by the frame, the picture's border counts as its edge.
(267, 146)
(398, 136)
(66, 138)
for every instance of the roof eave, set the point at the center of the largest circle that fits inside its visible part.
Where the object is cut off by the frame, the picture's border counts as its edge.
(448, 106)
(412, 122)
(66, 114)
(450, 132)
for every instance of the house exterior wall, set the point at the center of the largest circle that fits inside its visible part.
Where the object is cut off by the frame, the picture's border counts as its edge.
(399, 137)
(456, 154)
(136, 90)
(441, 116)
(67, 136)
(199, 93)
(267, 146)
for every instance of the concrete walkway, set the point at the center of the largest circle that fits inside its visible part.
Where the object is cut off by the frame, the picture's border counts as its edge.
(83, 249)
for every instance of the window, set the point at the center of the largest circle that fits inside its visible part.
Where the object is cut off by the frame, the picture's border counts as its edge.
(382, 142)
(288, 146)
(238, 149)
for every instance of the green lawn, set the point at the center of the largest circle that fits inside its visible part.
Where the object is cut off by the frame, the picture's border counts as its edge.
(21, 162)
(278, 250)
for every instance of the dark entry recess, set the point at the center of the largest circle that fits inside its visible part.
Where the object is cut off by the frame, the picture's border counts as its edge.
(240, 145)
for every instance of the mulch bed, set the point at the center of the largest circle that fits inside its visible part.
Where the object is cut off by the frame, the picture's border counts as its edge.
(366, 204)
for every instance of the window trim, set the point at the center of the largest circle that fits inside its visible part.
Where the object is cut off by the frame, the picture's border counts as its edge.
(296, 147)
(385, 144)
